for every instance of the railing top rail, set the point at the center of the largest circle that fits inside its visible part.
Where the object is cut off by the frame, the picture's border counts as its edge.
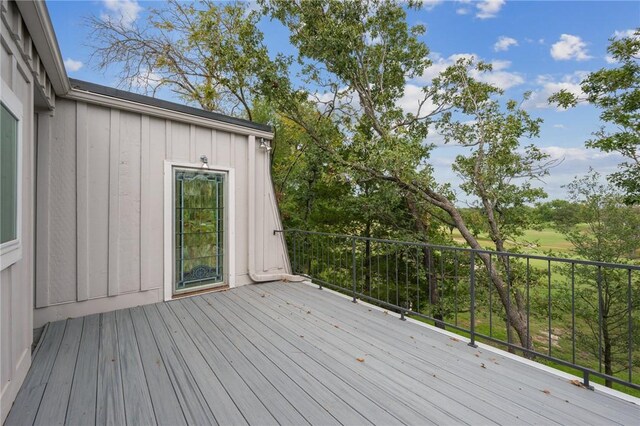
(472, 250)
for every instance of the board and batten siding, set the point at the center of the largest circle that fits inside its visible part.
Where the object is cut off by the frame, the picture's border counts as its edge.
(23, 75)
(101, 186)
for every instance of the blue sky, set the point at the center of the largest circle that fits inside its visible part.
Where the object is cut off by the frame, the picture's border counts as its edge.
(539, 46)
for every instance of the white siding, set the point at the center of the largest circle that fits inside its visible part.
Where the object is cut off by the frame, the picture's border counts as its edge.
(16, 281)
(105, 192)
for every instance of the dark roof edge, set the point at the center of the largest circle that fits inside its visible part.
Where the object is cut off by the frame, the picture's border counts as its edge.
(159, 103)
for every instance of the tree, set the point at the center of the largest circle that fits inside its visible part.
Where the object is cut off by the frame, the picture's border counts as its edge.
(360, 55)
(603, 301)
(211, 54)
(616, 92)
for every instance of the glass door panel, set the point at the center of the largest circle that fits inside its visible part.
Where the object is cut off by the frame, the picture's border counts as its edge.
(199, 229)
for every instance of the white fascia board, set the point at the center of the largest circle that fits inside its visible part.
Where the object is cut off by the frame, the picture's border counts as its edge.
(126, 105)
(36, 17)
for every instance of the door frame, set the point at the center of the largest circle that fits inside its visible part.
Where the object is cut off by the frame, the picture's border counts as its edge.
(229, 262)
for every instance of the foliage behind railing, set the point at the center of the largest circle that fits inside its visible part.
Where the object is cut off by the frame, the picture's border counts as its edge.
(579, 314)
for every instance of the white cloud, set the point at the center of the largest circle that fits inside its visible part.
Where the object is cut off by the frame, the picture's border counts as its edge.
(610, 59)
(72, 65)
(559, 126)
(462, 11)
(430, 4)
(504, 43)
(146, 80)
(624, 33)
(489, 8)
(569, 47)
(499, 76)
(124, 12)
(548, 86)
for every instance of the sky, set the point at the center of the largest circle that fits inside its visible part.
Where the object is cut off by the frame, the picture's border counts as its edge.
(537, 46)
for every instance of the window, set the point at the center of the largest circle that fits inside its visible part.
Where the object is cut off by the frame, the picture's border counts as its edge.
(9, 172)
(10, 177)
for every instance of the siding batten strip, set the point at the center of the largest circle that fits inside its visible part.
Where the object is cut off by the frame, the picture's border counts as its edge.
(192, 144)
(145, 209)
(82, 202)
(43, 212)
(114, 202)
(167, 149)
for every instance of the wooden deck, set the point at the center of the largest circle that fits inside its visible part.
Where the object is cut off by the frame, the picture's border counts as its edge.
(285, 354)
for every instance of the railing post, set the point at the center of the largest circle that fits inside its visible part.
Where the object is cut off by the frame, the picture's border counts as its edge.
(353, 267)
(472, 308)
(585, 380)
(294, 252)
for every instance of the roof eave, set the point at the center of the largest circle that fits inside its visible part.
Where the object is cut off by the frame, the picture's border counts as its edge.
(36, 17)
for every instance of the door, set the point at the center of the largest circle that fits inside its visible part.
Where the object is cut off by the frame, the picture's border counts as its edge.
(199, 229)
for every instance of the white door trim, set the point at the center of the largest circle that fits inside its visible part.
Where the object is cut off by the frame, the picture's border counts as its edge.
(229, 220)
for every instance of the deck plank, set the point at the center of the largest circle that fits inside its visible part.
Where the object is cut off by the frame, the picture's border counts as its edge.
(380, 400)
(193, 403)
(82, 401)
(278, 394)
(517, 381)
(110, 400)
(53, 408)
(286, 354)
(25, 407)
(137, 400)
(315, 388)
(418, 396)
(163, 397)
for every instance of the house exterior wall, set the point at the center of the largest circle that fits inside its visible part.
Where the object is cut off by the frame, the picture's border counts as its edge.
(101, 205)
(23, 76)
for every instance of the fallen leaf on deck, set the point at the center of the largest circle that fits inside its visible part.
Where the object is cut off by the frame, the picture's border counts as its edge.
(360, 359)
(477, 355)
(308, 312)
(336, 326)
(264, 295)
(454, 339)
(577, 383)
(547, 391)
(482, 365)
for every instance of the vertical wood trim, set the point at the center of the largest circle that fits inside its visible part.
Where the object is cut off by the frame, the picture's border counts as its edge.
(192, 144)
(114, 202)
(168, 140)
(82, 202)
(168, 230)
(145, 211)
(43, 211)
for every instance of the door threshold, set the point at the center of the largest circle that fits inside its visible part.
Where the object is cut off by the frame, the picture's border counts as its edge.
(199, 292)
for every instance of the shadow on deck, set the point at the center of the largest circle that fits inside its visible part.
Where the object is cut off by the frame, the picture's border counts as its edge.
(285, 354)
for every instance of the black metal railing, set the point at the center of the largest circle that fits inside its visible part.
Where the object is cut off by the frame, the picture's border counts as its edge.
(575, 314)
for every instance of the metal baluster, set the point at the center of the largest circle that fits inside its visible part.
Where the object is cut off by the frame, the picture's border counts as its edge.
(455, 300)
(549, 300)
(630, 326)
(528, 307)
(573, 312)
(353, 261)
(472, 327)
(600, 319)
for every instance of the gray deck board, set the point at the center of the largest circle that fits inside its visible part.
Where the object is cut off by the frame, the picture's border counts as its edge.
(239, 348)
(110, 407)
(194, 406)
(414, 393)
(25, 407)
(246, 385)
(312, 386)
(82, 401)
(391, 402)
(137, 399)
(515, 381)
(163, 397)
(475, 389)
(281, 353)
(53, 409)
